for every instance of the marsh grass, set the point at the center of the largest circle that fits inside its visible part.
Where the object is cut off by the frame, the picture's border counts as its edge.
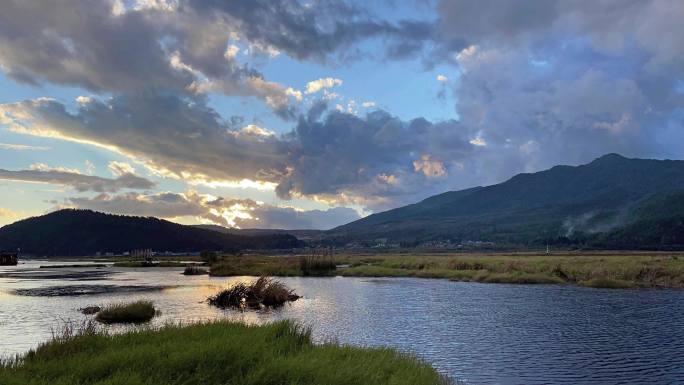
(317, 265)
(262, 292)
(640, 270)
(195, 270)
(135, 312)
(148, 264)
(215, 353)
(256, 266)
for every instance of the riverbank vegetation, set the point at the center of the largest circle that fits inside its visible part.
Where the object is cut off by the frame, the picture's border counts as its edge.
(212, 353)
(152, 264)
(195, 270)
(593, 270)
(135, 312)
(262, 292)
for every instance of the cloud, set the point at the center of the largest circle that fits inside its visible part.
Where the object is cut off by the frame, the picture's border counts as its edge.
(320, 84)
(21, 147)
(243, 213)
(328, 153)
(184, 46)
(611, 27)
(80, 182)
(537, 84)
(174, 136)
(343, 158)
(120, 168)
(9, 216)
(563, 82)
(431, 168)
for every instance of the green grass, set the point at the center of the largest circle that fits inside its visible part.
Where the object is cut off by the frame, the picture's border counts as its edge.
(627, 269)
(135, 312)
(256, 266)
(211, 354)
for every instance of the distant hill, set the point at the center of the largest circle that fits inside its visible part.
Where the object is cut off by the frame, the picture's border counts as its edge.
(612, 202)
(83, 232)
(304, 235)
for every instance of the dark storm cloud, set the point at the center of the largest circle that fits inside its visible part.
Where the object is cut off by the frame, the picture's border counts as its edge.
(549, 82)
(376, 156)
(106, 46)
(368, 159)
(315, 29)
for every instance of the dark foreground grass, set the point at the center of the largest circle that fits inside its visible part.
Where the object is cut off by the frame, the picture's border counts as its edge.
(135, 312)
(212, 354)
(593, 270)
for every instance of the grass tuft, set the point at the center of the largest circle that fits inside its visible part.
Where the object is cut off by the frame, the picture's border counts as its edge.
(263, 292)
(135, 312)
(195, 270)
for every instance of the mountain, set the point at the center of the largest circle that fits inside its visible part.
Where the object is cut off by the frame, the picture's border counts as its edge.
(611, 202)
(83, 232)
(304, 235)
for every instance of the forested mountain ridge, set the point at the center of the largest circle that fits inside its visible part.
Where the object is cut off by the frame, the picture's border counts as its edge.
(611, 202)
(72, 232)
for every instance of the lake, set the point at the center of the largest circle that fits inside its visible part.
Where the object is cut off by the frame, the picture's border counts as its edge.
(478, 333)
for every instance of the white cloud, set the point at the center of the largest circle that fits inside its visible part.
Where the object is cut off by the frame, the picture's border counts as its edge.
(89, 167)
(430, 167)
(231, 52)
(322, 83)
(83, 99)
(120, 168)
(478, 142)
(21, 147)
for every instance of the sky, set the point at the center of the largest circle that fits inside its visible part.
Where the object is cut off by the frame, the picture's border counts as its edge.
(311, 114)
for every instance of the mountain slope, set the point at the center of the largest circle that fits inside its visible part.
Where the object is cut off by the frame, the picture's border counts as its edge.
(304, 235)
(563, 201)
(84, 232)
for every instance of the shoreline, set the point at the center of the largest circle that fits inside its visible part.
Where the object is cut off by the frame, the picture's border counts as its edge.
(600, 269)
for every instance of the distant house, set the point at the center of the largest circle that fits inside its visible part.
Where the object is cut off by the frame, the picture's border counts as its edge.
(8, 259)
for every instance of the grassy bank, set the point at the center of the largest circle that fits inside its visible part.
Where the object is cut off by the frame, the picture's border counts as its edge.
(214, 353)
(135, 312)
(594, 270)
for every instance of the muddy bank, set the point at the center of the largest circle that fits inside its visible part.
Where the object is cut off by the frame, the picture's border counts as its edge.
(42, 274)
(77, 290)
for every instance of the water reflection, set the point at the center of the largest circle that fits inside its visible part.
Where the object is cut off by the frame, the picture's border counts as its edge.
(481, 333)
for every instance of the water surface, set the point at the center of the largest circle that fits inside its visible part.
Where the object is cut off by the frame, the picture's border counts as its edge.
(480, 333)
